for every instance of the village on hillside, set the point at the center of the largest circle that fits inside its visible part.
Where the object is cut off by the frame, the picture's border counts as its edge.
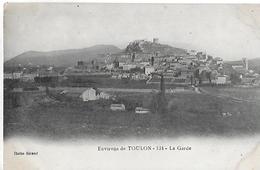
(146, 88)
(139, 63)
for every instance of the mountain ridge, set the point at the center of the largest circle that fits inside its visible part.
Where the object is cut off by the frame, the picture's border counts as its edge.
(69, 57)
(65, 57)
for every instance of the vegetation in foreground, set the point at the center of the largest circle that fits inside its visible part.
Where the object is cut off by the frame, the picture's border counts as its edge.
(179, 114)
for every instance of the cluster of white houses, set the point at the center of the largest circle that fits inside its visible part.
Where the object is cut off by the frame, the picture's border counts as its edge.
(176, 69)
(21, 76)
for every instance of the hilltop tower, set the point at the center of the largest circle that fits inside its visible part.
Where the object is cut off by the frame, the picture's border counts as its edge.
(245, 63)
(155, 40)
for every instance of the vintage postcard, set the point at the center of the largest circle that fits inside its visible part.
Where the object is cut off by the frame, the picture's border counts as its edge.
(118, 86)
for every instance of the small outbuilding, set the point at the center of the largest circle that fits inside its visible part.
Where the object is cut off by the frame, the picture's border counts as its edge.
(141, 110)
(93, 94)
(89, 94)
(117, 107)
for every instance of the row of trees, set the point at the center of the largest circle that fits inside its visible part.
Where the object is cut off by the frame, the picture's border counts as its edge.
(204, 75)
(209, 75)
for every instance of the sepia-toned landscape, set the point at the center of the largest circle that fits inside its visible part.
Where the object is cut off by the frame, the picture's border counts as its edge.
(147, 89)
(132, 86)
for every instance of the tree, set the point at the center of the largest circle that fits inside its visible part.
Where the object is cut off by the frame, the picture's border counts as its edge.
(191, 80)
(46, 81)
(93, 63)
(152, 61)
(197, 75)
(235, 79)
(208, 75)
(116, 63)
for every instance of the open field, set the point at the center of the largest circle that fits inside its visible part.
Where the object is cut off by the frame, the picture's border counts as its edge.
(184, 114)
(243, 94)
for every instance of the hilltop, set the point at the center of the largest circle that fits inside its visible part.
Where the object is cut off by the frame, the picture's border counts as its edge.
(143, 46)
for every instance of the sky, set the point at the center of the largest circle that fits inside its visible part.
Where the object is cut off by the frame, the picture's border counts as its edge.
(228, 31)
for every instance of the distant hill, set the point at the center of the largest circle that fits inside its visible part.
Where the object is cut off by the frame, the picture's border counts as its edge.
(253, 64)
(142, 46)
(62, 57)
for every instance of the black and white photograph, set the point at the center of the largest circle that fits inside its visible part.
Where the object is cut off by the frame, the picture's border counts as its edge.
(131, 86)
